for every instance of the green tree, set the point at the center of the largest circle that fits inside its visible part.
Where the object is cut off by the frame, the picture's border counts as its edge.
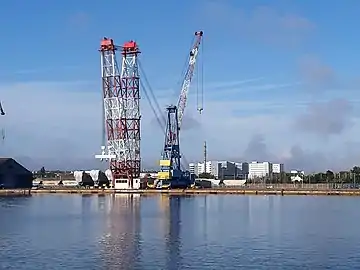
(42, 172)
(330, 176)
(285, 177)
(355, 170)
(206, 176)
(356, 174)
(319, 178)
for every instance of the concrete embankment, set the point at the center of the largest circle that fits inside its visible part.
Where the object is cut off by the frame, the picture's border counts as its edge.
(15, 192)
(343, 192)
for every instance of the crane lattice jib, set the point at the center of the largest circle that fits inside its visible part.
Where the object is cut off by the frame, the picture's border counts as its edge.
(121, 101)
(188, 77)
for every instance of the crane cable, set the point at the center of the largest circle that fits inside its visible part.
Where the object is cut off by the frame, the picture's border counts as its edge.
(200, 80)
(152, 99)
(160, 118)
(200, 100)
(202, 76)
(150, 96)
(199, 93)
(184, 161)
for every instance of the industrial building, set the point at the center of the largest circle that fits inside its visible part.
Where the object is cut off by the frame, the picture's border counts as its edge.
(226, 170)
(236, 170)
(259, 169)
(277, 167)
(242, 170)
(193, 168)
(13, 175)
(263, 169)
(221, 169)
(211, 167)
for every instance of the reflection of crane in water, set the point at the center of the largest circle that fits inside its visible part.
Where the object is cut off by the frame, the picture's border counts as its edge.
(122, 235)
(171, 205)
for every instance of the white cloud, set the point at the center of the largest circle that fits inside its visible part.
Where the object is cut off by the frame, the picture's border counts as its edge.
(60, 123)
(226, 133)
(49, 119)
(63, 120)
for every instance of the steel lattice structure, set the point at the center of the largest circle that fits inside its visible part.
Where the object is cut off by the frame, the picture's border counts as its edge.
(121, 101)
(188, 77)
(176, 113)
(171, 158)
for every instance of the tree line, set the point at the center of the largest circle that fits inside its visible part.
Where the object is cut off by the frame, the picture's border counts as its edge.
(352, 176)
(43, 173)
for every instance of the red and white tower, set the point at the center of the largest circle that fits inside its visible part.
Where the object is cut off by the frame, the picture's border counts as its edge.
(121, 112)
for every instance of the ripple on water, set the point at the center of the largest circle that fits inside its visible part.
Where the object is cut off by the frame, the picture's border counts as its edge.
(213, 232)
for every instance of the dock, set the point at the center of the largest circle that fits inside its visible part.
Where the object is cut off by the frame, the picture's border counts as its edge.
(205, 191)
(15, 192)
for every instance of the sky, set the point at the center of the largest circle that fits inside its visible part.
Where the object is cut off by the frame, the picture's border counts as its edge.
(281, 79)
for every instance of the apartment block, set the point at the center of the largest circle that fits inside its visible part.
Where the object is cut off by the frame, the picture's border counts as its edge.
(259, 169)
(277, 167)
(221, 169)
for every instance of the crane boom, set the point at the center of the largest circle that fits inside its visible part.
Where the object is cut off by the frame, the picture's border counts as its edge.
(188, 77)
(170, 174)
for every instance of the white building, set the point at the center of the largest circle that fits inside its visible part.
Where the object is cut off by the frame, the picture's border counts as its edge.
(193, 168)
(199, 168)
(277, 167)
(259, 169)
(221, 169)
(212, 167)
(202, 168)
(297, 176)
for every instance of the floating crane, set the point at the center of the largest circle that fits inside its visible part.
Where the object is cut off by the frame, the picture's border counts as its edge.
(121, 109)
(171, 175)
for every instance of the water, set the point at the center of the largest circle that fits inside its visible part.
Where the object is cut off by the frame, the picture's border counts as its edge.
(160, 232)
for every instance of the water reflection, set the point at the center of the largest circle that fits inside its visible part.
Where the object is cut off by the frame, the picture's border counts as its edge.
(226, 232)
(121, 240)
(172, 236)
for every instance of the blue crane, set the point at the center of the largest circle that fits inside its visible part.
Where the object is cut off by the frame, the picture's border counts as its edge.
(171, 175)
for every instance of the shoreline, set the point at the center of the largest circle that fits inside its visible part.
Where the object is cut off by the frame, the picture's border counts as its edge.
(208, 191)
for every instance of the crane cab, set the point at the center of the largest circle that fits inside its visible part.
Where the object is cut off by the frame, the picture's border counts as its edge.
(169, 177)
(165, 174)
(165, 171)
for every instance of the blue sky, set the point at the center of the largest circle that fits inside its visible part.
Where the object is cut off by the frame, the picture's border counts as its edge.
(281, 78)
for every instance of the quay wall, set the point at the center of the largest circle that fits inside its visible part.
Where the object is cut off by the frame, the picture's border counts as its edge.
(234, 191)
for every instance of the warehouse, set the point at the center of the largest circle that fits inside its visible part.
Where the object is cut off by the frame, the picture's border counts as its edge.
(13, 175)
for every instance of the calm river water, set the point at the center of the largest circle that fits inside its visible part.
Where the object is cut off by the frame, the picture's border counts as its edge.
(161, 232)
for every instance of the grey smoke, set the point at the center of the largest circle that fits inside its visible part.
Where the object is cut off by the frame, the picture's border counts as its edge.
(301, 159)
(326, 118)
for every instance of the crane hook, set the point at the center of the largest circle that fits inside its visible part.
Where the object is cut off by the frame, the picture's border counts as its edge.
(1, 109)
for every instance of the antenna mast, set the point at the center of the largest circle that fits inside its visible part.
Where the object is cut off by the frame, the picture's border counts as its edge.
(205, 156)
